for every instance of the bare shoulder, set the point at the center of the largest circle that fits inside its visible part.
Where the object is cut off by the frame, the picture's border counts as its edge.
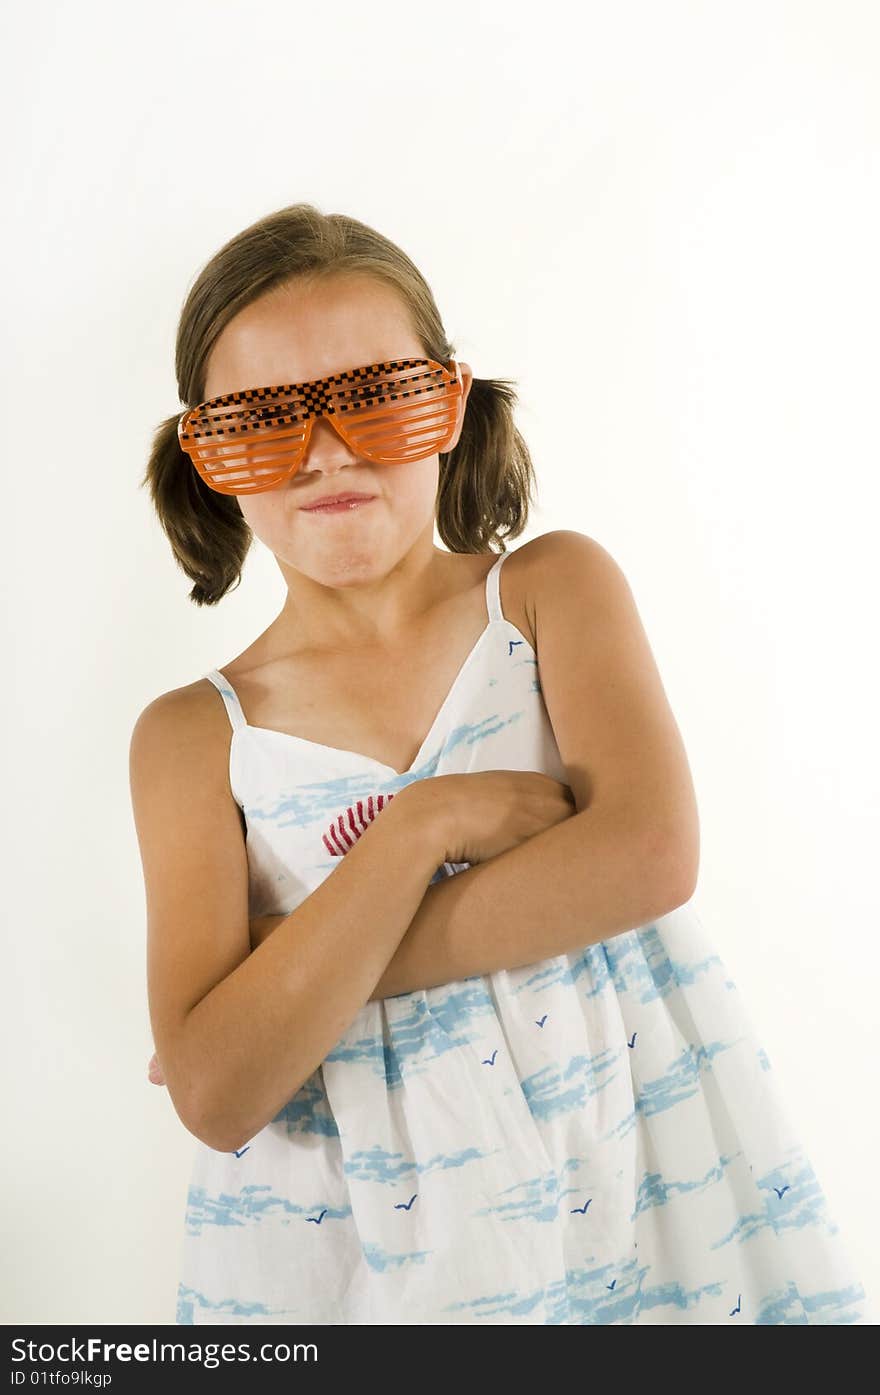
(547, 567)
(191, 718)
(187, 730)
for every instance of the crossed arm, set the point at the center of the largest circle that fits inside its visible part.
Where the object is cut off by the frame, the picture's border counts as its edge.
(594, 875)
(590, 877)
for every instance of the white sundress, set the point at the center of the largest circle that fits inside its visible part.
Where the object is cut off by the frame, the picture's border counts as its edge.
(594, 1138)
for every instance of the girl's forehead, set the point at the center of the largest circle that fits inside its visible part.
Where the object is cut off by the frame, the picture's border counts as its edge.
(280, 339)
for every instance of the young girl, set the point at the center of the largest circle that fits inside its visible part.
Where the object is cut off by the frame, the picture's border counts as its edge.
(490, 1070)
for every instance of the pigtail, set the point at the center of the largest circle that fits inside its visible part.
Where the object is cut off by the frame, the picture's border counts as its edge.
(207, 531)
(487, 480)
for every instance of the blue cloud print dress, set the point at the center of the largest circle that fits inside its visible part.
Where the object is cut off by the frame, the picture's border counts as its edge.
(595, 1138)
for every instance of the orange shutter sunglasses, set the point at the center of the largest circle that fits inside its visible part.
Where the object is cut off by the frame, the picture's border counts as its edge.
(249, 441)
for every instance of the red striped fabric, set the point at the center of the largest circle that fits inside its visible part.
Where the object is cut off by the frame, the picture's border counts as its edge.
(348, 826)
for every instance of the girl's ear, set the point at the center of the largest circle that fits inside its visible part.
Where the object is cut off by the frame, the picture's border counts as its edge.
(467, 379)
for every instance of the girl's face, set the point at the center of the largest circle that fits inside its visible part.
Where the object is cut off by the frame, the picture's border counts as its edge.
(299, 332)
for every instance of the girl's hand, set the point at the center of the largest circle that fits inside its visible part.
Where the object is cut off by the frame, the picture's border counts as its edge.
(260, 928)
(486, 812)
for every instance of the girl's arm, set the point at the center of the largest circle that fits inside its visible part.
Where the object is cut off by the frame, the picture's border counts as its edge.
(261, 928)
(573, 885)
(582, 881)
(569, 886)
(239, 1032)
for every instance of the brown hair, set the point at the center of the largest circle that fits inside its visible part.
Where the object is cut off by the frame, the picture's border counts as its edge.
(486, 481)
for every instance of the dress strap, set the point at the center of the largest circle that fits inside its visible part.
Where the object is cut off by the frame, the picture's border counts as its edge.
(493, 594)
(230, 698)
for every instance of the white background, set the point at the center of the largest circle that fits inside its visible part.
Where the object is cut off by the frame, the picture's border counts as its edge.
(667, 213)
